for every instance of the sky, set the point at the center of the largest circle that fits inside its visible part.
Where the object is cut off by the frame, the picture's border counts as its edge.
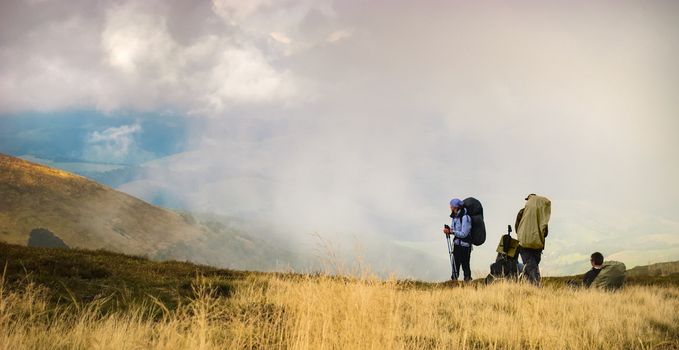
(359, 121)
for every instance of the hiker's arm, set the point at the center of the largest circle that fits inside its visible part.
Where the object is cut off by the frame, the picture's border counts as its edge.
(466, 227)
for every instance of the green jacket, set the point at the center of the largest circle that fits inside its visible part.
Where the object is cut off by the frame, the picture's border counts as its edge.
(532, 228)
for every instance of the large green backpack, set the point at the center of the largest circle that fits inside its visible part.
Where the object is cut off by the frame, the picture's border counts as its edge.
(612, 276)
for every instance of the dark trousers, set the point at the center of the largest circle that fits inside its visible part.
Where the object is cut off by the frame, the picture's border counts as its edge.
(531, 260)
(462, 256)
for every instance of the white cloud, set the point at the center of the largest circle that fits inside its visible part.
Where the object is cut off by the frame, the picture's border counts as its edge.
(280, 37)
(130, 56)
(113, 145)
(208, 76)
(243, 75)
(261, 17)
(237, 12)
(295, 26)
(339, 35)
(136, 38)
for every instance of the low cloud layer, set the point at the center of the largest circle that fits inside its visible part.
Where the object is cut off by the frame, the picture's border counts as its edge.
(360, 122)
(116, 145)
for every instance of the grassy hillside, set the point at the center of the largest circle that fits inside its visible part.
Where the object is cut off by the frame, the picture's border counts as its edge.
(82, 276)
(82, 212)
(55, 298)
(85, 275)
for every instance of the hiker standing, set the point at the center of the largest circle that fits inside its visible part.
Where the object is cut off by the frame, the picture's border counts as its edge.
(531, 228)
(460, 229)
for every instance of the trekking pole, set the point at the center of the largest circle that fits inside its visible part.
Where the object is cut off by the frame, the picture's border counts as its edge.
(452, 258)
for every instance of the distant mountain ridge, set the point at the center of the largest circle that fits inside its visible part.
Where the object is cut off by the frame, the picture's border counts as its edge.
(659, 269)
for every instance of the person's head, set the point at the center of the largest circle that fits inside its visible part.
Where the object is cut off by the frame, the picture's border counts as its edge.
(455, 205)
(597, 259)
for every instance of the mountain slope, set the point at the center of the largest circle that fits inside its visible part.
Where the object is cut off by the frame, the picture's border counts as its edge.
(82, 212)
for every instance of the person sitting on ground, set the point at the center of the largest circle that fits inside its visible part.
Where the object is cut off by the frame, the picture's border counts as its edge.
(597, 261)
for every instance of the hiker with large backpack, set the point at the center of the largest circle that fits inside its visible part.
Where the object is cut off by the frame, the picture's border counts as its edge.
(460, 228)
(531, 229)
(467, 228)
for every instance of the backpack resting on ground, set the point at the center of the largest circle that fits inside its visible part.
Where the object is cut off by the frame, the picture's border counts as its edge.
(508, 246)
(506, 263)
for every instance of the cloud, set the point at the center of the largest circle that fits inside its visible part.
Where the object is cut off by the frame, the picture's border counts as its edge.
(339, 35)
(113, 145)
(280, 37)
(208, 76)
(237, 12)
(260, 17)
(135, 55)
(135, 37)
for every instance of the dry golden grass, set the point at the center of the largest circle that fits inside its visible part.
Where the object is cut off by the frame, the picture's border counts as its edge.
(321, 312)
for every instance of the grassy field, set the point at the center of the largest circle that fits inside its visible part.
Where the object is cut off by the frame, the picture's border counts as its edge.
(78, 299)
